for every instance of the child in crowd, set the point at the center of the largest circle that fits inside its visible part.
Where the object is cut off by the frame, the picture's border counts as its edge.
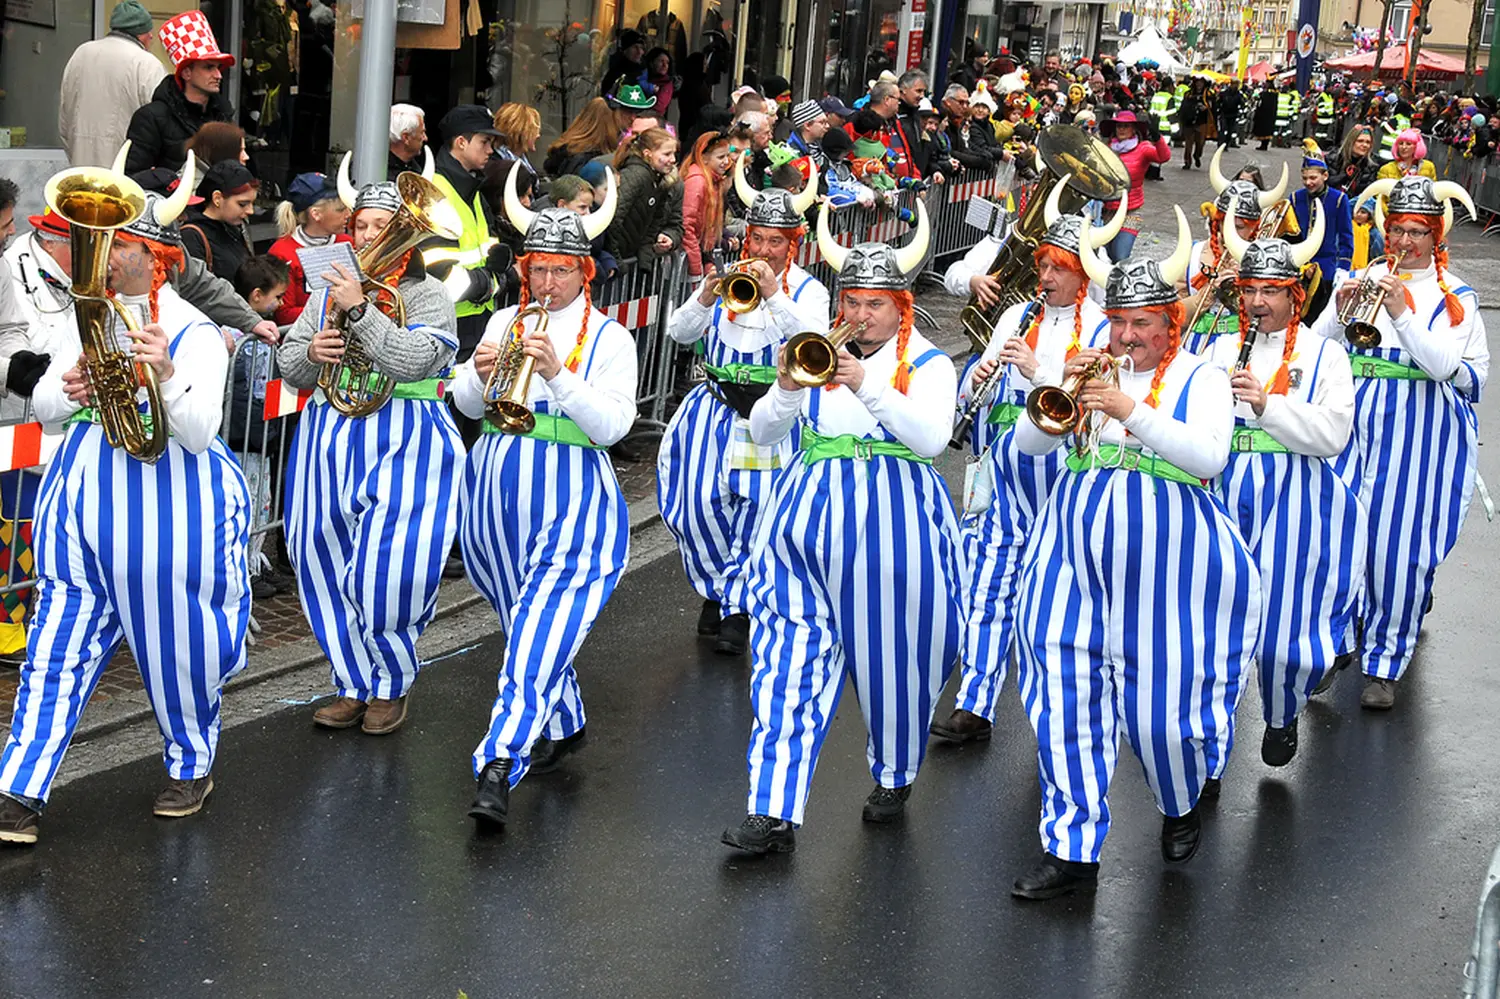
(648, 222)
(573, 192)
(1369, 242)
(843, 187)
(312, 215)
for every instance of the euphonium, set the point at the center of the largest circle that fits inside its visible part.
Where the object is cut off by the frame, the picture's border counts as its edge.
(353, 384)
(812, 359)
(509, 385)
(1357, 315)
(1055, 409)
(95, 202)
(738, 288)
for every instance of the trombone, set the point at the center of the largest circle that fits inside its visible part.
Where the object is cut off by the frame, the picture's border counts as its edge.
(812, 359)
(1357, 315)
(509, 386)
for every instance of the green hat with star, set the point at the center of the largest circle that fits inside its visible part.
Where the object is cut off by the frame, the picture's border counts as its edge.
(631, 95)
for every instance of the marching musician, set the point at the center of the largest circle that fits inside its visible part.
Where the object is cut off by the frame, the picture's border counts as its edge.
(1414, 451)
(1034, 344)
(1305, 528)
(545, 531)
(371, 504)
(1210, 269)
(1113, 620)
(713, 481)
(857, 567)
(152, 554)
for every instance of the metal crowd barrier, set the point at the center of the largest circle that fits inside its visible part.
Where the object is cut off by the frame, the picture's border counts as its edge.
(1482, 973)
(258, 412)
(24, 450)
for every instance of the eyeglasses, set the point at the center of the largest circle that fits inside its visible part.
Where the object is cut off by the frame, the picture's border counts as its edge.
(1399, 232)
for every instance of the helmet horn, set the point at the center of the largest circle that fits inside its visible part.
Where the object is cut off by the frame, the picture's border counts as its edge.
(595, 222)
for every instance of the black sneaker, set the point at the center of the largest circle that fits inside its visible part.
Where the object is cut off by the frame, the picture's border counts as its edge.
(491, 805)
(18, 824)
(1279, 745)
(547, 754)
(262, 588)
(734, 635)
(1341, 662)
(886, 804)
(708, 619)
(761, 834)
(1051, 877)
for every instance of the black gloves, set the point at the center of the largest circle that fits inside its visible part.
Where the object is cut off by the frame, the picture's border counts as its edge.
(26, 369)
(499, 260)
(1152, 128)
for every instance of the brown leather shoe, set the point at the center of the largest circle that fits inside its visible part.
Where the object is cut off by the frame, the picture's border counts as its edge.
(961, 727)
(341, 712)
(384, 716)
(18, 824)
(181, 798)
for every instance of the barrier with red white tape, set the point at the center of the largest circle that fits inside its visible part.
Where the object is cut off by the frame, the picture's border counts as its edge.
(635, 314)
(283, 400)
(24, 445)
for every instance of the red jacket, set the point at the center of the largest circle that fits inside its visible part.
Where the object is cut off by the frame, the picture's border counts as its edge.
(297, 294)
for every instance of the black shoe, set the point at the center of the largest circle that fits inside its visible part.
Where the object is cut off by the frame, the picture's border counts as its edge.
(453, 568)
(1186, 165)
(492, 801)
(1211, 789)
(961, 727)
(1197, 162)
(761, 834)
(1279, 745)
(1052, 877)
(1180, 836)
(886, 804)
(1427, 607)
(262, 588)
(547, 754)
(734, 635)
(1341, 662)
(708, 619)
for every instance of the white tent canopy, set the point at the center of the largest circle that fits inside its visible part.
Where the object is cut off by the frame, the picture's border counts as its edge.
(1150, 45)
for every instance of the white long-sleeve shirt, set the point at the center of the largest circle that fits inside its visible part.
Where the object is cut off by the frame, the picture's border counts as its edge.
(1316, 416)
(922, 419)
(1053, 338)
(193, 397)
(599, 396)
(1460, 354)
(979, 260)
(779, 318)
(1198, 445)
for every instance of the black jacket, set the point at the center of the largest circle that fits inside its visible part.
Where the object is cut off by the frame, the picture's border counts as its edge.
(976, 153)
(159, 130)
(218, 244)
(915, 146)
(620, 68)
(1264, 123)
(395, 165)
(644, 209)
(465, 184)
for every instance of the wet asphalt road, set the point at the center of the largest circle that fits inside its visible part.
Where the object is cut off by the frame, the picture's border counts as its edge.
(342, 865)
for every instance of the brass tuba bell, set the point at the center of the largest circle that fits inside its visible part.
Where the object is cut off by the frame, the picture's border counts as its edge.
(95, 203)
(812, 359)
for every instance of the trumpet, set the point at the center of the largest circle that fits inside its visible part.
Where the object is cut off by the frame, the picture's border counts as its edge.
(1357, 315)
(981, 395)
(738, 288)
(509, 384)
(812, 359)
(1055, 408)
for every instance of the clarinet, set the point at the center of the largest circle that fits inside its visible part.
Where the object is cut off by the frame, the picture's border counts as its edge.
(1251, 332)
(980, 399)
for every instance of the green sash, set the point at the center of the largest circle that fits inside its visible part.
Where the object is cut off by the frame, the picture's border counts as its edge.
(816, 447)
(1132, 460)
(553, 429)
(1379, 367)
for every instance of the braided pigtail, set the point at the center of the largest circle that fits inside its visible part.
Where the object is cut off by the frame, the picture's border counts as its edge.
(1078, 300)
(1450, 300)
(901, 380)
(1175, 313)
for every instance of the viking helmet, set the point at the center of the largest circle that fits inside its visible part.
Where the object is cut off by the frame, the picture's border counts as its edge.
(385, 196)
(1221, 184)
(158, 222)
(876, 266)
(1062, 230)
(559, 230)
(1418, 196)
(774, 209)
(1274, 259)
(1135, 284)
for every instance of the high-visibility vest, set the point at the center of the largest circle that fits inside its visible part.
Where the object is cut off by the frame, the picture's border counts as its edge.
(1325, 109)
(1161, 106)
(473, 240)
(1398, 123)
(1286, 108)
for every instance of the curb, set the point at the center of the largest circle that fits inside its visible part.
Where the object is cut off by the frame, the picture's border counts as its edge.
(133, 708)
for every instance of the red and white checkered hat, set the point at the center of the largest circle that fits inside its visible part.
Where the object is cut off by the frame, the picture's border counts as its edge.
(188, 38)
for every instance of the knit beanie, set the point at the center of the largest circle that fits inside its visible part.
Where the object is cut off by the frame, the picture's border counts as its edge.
(130, 17)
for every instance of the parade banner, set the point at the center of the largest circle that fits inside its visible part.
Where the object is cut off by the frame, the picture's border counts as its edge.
(1307, 41)
(1411, 33)
(1247, 25)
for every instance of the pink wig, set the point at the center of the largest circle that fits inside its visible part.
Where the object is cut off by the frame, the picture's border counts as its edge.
(1413, 136)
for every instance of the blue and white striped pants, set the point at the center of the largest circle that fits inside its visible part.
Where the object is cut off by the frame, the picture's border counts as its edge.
(153, 555)
(1418, 455)
(857, 572)
(1306, 532)
(710, 509)
(1139, 610)
(370, 518)
(994, 542)
(545, 536)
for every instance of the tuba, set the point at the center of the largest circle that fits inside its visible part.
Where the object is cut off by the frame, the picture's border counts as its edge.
(509, 386)
(1075, 164)
(1357, 315)
(95, 203)
(812, 359)
(354, 385)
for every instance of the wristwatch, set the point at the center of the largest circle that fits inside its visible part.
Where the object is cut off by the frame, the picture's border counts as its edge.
(357, 313)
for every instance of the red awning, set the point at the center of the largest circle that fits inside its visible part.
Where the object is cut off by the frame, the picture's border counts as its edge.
(1259, 72)
(1430, 65)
